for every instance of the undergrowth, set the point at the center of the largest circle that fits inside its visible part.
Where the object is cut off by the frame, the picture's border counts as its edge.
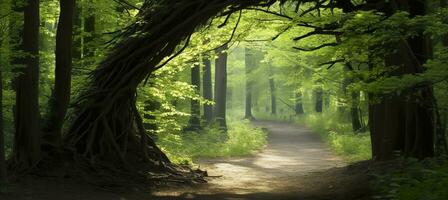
(339, 135)
(416, 180)
(241, 139)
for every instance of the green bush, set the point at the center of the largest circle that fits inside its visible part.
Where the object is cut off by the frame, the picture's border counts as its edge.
(241, 139)
(417, 180)
(339, 135)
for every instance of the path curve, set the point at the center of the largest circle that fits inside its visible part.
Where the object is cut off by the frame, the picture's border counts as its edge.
(288, 168)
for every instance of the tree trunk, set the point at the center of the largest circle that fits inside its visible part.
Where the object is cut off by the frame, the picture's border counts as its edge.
(60, 99)
(221, 87)
(77, 39)
(272, 92)
(27, 135)
(298, 104)
(319, 100)
(207, 90)
(195, 108)
(3, 174)
(404, 123)
(249, 66)
(106, 118)
(89, 35)
(355, 112)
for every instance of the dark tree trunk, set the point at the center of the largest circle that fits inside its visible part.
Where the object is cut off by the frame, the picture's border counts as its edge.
(355, 112)
(3, 174)
(221, 87)
(249, 66)
(77, 39)
(60, 99)
(27, 136)
(298, 104)
(319, 95)
(195, 107)
(89, 35)
(105, 128)
(207, 90)
(404, 123)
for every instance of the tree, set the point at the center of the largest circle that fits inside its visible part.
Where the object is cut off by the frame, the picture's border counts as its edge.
(249, 66)
(298, 103)
(60, 99)
(195, 108)
(221, 87)
(207, 89)
(319, 95)
(272, 92)
(3, 174)
(404, 122)
(27, 150)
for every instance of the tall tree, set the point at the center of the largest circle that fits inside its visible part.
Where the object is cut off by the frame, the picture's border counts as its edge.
(298, 103)
(319, 99)
(404, 122)
(60, 99)
(194, 123)
(221, 87)
(3, 175)
(27, 150)
(207, 89)
(249, 66)
(272, 91)
(89, 34)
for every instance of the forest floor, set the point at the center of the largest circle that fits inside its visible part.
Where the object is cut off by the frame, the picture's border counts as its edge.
(296, 164)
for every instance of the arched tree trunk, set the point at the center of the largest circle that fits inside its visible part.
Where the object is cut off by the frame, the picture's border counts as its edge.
(106, 127)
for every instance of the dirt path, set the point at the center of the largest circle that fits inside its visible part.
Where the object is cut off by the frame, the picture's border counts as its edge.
(295, 165)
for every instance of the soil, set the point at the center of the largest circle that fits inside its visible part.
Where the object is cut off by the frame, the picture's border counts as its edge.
(296, 164)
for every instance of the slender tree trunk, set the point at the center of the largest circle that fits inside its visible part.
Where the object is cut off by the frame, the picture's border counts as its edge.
(355, 112)
(221, 87)
(195, 108)
(249, 66)
(207, 89)
(63, 72)
(77, 39)
(272, 92)
(89, 35)
(27, 136)
(319, 93)
(298, 104)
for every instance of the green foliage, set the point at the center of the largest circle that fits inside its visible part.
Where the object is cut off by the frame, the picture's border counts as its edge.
(416, 180)
(339, 135)
(241, 139)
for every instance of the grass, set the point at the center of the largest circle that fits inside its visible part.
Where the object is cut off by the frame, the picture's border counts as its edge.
(339, 135)
(241, 139)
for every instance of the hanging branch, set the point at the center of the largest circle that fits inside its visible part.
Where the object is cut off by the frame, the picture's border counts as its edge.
(317, 48)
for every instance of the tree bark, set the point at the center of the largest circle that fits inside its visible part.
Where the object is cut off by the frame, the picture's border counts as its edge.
(195, 107)
(3, 173)
(221, 87)
(404, 123)
(319, 93)
(272, 92)
(60, 99)
(207, 90)
(298, 104)
(249, 66)
(355, 112)
(27, 136)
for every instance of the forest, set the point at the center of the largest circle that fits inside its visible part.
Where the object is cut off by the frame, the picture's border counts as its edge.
(223, 99)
